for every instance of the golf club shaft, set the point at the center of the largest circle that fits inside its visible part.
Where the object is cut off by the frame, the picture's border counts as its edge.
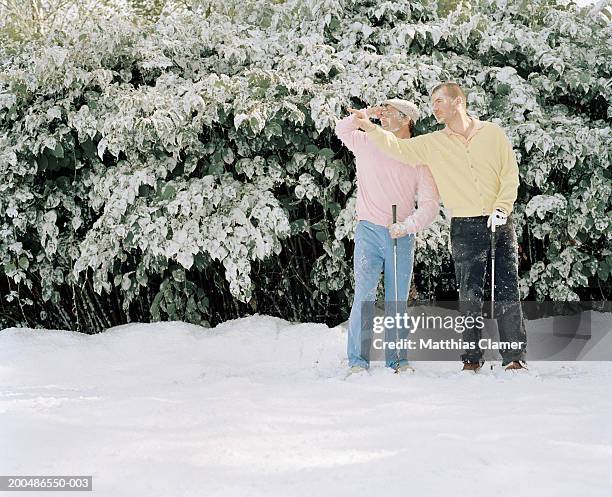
(492, 270)
(394, 212)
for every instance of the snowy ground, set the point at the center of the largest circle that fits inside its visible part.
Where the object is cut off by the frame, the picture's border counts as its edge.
(259, 407)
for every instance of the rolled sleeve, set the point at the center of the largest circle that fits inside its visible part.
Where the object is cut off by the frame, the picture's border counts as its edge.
(428, 201)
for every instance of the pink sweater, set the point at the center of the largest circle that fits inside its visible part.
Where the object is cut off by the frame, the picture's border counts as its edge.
(382, 181)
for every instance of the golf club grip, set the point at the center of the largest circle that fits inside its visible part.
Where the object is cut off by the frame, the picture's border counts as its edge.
(394, 213)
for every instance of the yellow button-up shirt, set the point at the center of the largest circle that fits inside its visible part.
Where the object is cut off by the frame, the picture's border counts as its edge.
(474, 176)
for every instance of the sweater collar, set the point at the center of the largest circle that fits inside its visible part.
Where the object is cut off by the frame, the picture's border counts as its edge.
(478, 125)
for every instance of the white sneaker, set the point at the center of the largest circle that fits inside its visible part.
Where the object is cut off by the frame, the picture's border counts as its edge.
(354, 370)
(405, 368)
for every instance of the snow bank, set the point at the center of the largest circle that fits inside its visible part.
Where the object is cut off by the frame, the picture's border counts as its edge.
(260, 407)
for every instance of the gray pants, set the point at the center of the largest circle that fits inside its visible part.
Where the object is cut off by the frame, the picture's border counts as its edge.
(471, 249)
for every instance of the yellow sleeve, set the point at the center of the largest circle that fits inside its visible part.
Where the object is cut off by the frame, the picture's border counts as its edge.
(509, 177)
(409, 150)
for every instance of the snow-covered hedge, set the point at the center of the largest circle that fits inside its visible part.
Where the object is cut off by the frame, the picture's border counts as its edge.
(187, 169)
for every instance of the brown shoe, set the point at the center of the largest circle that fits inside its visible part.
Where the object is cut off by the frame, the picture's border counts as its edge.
(471, 366)
(515, 365)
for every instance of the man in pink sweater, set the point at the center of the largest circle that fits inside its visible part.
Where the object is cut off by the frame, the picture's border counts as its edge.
(378, 188)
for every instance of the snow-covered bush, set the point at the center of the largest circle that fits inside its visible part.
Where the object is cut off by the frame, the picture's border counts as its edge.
(187, 169)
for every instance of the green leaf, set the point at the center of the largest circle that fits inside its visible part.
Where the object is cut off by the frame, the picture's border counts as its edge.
(168, 193)
(52, 163)
(24, 263)
(275, 129)
(144, 190)
(319, 226)
(58, 151)
(298, 226)
(126, 283)
(256, 124)
(228, 155)
(334, 208)
(203, 304)
(43, 163)
(503, 89)
(142, 278)
(155, 307)
(157, 299)
(90, 149)
(215, 170)
(171, 309)
(199, 261)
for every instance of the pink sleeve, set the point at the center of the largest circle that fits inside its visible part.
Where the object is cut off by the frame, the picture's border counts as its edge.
(347, 130)
(428, 201)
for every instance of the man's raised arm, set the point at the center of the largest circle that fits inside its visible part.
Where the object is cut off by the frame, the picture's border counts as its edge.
(409, 151)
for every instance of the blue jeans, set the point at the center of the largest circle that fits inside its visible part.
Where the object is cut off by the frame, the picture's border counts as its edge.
(373, 255)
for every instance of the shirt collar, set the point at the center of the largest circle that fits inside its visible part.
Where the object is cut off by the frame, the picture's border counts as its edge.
(478, 125)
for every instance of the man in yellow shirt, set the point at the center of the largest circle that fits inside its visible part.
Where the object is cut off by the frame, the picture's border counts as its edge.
(476, 173)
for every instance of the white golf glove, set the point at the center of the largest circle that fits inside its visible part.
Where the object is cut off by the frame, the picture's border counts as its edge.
(497, 218)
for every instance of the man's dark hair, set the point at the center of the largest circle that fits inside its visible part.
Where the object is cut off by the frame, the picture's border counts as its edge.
(411, 128)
